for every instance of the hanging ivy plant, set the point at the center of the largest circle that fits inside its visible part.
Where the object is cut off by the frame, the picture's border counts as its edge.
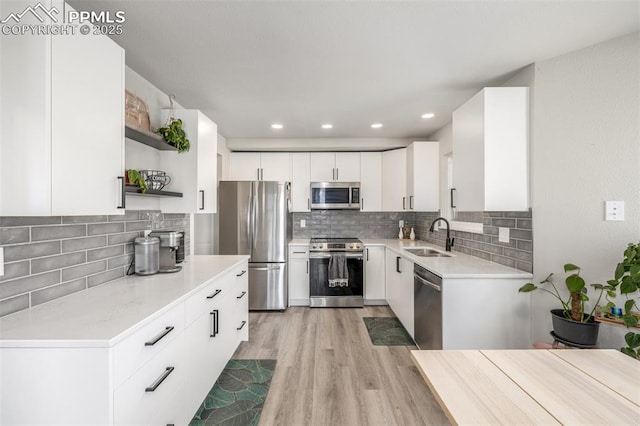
(135, 178)
(175, 135)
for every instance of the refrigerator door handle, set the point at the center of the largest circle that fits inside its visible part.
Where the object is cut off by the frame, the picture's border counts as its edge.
(266, 268)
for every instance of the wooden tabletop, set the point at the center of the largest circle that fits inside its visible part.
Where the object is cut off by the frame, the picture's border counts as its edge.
(571, 387)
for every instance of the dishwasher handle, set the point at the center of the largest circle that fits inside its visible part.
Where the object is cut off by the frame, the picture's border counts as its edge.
(427, 283)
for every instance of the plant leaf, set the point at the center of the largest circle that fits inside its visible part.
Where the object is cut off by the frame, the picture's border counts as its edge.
(629, 352)
(619, 271)
(575, 283)
(632, 339)
(527, 288)
(628, 286)
(570, 267)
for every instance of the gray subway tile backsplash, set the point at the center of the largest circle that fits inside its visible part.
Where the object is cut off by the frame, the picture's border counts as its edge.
(517, 253)
(47, 257)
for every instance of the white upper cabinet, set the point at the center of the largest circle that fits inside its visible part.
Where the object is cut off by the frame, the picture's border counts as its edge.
(394, 180)
(260, 166)
(62, 129)
(490, 151)
(335, 167)
(193, 173)
(300, 182)
(371, 181)
(423, 172)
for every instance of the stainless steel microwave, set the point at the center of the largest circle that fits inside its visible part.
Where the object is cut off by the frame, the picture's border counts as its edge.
(335, 195)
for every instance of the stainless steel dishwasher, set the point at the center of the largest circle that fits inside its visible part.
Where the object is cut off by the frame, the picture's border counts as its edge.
(427, 308)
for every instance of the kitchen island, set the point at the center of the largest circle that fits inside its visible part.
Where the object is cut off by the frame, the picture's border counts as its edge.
(136, 350)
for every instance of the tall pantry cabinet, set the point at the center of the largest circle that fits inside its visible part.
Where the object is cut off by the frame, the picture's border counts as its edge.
(62, 122)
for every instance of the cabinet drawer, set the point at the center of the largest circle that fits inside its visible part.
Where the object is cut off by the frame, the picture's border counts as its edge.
(241, 310)
(211, 293)
(299, 252)
(153, 394)
(133, 352)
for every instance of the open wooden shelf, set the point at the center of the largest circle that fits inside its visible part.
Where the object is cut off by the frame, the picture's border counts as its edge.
(135, 190)
(614, 321)
(147, 138)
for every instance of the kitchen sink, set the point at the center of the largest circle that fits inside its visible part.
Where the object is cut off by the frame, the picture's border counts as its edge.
(427, 252)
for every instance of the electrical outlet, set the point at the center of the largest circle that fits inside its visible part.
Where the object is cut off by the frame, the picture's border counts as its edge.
(503, 235)
(401, 224)
(303, 223)
(1, 261)
(614, 210)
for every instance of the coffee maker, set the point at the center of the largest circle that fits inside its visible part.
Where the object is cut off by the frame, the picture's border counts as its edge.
(170, 244)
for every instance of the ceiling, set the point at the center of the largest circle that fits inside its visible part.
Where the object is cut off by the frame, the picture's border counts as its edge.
(248, 64)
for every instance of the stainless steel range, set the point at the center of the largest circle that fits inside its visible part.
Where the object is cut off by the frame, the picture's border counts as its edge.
(336, 273)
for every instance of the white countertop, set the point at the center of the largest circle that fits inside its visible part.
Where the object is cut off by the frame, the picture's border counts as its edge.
(299, 242)
(104, 315)
(459, 265)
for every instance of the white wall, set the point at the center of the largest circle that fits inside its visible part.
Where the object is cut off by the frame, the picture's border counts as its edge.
(585, 149)
(224, 152)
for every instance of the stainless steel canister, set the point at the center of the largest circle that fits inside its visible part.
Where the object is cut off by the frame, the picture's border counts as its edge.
(147, 255)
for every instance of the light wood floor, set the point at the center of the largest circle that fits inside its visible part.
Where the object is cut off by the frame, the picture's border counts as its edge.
(329, 373)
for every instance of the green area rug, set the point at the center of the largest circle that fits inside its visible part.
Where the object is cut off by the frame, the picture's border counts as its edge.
(238, 395)
(387, 331)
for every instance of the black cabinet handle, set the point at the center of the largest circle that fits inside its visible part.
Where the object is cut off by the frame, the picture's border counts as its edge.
(404, 203)
(215, 314)
(258, 169)
(308, 204)
(337, 174)
(161, 379)
(451, 192)
(241, 274)
(123, 195)
(241, 295)
(242, 325)
(307, 267)
(217, 292)
(398, 265)
(410, 202)
(202, 192)
(159, 336)
(367, 254)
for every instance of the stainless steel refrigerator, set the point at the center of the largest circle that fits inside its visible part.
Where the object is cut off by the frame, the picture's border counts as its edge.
(255, 220)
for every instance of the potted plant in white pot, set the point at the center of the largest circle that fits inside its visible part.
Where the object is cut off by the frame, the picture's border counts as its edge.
(571, 323)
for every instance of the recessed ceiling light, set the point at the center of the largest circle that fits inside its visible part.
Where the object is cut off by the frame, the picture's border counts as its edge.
(376, 125)
(428, 115)
(276, 126)
(327, 126)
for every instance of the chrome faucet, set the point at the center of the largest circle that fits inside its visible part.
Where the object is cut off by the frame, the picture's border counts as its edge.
(449, 242)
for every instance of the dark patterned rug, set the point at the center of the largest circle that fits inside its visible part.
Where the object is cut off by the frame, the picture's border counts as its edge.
(387, 331)
(238, 395)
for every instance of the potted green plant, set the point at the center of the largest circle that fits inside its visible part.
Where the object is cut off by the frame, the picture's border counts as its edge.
(627, 280)
(571, 323)
(135, 178)
(174, 134)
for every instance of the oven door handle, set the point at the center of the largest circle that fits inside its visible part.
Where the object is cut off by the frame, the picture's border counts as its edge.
(326, 256)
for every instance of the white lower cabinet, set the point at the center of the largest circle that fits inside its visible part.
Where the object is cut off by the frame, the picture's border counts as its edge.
(159, 374)
(374, 275)
(399, 288)
(298, 276)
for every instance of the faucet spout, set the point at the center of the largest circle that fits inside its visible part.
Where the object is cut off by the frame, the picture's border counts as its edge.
(449, 241)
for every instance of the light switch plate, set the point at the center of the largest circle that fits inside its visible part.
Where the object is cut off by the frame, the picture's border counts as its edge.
(614, 210)
(503, 235)
(303, 223)
(1, 261)
(401, 223)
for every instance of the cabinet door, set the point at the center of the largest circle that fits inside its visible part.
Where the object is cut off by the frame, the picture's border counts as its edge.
(299, 278)
(207, 165)
(392, 289)
(322, 167)
(244, 166)
(25, 77)
(468, 154)
(374, 274)
(347, 167)
(87, 125)
(300, 182)
(275, 166)
(184, 168)
(394, 180)
(423, 176)
(405, 299)
(371, 181)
